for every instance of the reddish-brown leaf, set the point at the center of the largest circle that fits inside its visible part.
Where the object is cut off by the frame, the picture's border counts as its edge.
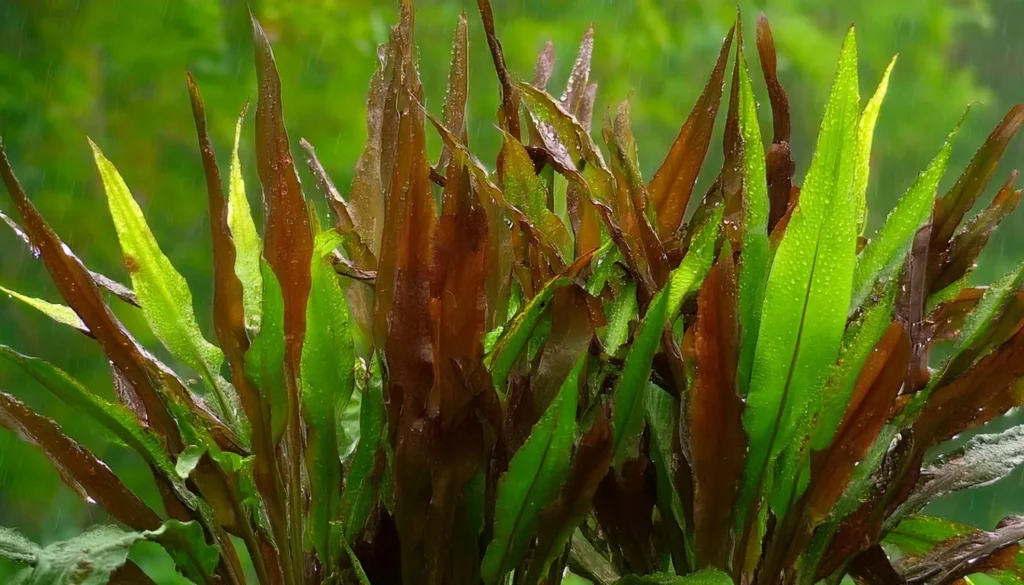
(718, 442)
(288, 235)
(949, 210)
(910, 305)
(872, 399)
(624, 503)
(983, 392)
(958, 259)
(778, 160)
(975, 552)
(673, 183)
(458, 90)
(508, 114)
(77, 466)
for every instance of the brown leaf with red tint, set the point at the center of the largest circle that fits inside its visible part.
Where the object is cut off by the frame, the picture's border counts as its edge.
(458, 91)
(872, 567)
(89, 477)
(872, 399)
(560, 518)
(958, 259)
(949, 210)
(288, 235)
(462, 406)
(718, 442)
(624, 503)
(508, 114)
(983, 392)
(672, 185)
(778, 160)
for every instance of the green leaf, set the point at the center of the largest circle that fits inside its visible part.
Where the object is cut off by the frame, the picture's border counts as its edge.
(264, 362)
(682, 282)
(620, 313)
(361, 485)
(163, 293)
(62, 314)
(533, 479)
(808, 293)
(248, 246)
(188, 460)
(328, 357)
(708, 577)
(885, 252)
(755, 249)
(865, 136)
(92, 557)
(525, 191)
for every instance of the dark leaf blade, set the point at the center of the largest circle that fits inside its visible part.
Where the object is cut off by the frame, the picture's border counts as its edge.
(288, 235)
(959, 258)
(228, 309)
(870, 403)
(966, 551)
(508, 116)
(950, 209)
(779, 161)
(78, 467)
(672, 185)
(718, 442)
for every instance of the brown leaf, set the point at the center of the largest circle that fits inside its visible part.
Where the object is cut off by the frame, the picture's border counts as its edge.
(458, 90)
(778, 160)
(958, 259)
(910, 305)
(77, 466)
(624, 503)
(872, 399)
(872, 567)
(673, 183)
(508, 116)
(718, 442)
(949, 210)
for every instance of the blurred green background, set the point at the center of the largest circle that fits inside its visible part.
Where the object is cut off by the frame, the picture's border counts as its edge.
(114, 70)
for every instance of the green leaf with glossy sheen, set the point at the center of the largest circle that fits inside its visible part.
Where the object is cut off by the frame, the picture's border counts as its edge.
(62, 314)
(92, 557)
(708, 577)
(885, 252)
(361, 485)
(163, 293)
(248, 246)
(808, 291)
(620, 313)
(264, 362)
(328, 357)
(533, 479)
(865, 136)
(683, 282)
(525, 191)
(754, 255)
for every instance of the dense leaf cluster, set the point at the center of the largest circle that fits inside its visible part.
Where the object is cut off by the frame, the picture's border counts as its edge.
(499, 377)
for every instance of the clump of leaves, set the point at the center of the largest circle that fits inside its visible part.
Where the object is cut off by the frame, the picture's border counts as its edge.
(499, 377)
